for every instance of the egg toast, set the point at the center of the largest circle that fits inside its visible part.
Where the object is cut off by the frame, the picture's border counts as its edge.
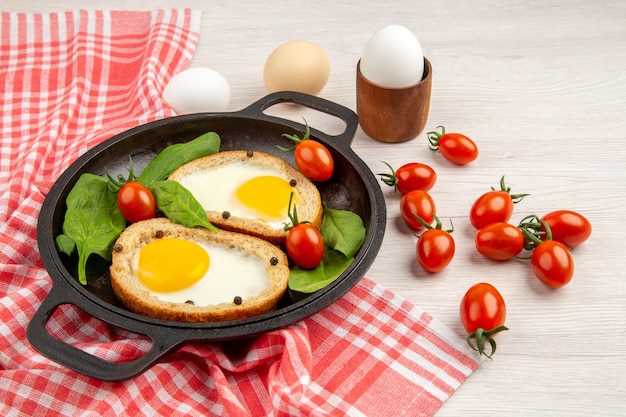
(215, 276)
(249, 192)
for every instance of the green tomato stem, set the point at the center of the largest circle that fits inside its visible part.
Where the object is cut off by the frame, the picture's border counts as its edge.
(433, 138)
(482, 336)
(295, 139)
(516, 198)
(536, 231)
(390, 179)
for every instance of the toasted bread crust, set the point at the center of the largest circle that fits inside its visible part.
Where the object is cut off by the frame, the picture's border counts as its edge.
(134, 295)
(309, 200)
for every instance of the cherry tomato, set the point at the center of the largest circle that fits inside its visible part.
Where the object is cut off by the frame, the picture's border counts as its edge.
(491, 207)
(314, 160)
(552, 263)
(417, 203)
(409, 177)
(136, 202)
(435, 249)
(305, 245)
(455, 147)
(494, 206)
(499, 241)
(482, 307)
(483, 313)
(568, 227)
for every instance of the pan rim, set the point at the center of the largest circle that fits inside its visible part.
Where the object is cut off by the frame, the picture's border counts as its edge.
(231, 329)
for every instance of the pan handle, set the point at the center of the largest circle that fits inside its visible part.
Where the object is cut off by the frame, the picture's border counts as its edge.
(83, 362)
(348, 116)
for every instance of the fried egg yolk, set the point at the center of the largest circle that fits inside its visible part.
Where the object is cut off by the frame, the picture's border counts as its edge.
(244, 190)
(171, 264)
(267, 194)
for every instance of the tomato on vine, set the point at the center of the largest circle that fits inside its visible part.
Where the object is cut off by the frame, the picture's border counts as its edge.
(455, 147)
(568, 227)
(499, 241)
(417, 203)
(494, 206)
(551, 261)
(313, 159)
(409, 177)
(435, 247)
(304, 242)
(136, 202)
(483, 313)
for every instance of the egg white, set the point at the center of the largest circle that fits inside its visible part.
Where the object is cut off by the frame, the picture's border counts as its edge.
(231, 273)
(216, 188)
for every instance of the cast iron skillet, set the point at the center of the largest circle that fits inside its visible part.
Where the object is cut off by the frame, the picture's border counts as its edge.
(352, 187)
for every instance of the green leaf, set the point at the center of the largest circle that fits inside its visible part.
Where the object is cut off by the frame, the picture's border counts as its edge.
(172, 157)
(179, 205)
(311, 280)
(343, 231)
(92, 221)
(65, 244)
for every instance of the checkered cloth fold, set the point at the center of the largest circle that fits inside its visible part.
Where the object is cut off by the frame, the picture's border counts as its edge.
(71, 80)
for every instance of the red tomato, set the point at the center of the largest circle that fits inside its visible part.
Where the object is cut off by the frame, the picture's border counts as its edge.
(435, 249)
(494, 206)
(568, 227)
(409, 177)
(491, 207)
(314, 160)
(305, 245)
(552, 263)
(136, 202)
(483, 313)
(455, 147)
(499, 241)
(482, 307)
(417, 203)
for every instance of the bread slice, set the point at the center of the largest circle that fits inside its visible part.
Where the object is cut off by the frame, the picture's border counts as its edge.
(308, 200)
(138, 298)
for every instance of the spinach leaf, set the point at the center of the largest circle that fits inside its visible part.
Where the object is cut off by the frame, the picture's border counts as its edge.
(343, 231)
(65, 244)
(172, 157)
(92, 221)
(311, 280)
(179, 205)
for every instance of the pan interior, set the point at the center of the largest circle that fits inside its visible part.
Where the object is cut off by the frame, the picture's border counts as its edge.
(347, 190)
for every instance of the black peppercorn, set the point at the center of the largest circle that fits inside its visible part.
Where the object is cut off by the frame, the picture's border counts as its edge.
(237, 300)
(158, 234)
(273, 261)
(249, 153)
(225, 214)
(293, 182)
(118, 247)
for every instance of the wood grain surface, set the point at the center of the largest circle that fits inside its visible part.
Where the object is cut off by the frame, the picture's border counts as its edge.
(540, 85)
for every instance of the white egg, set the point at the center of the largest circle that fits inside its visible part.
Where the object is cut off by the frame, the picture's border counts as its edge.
(393, 58)
(216, 189)
(197, 90)
(231, 273)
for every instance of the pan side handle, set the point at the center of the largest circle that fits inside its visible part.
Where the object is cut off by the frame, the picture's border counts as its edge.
(348, 116)
(83, 362)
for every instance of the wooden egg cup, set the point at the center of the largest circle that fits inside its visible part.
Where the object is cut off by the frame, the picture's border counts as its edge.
(393, 114)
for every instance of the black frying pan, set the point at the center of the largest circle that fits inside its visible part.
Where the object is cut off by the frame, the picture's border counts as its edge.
(352, 187)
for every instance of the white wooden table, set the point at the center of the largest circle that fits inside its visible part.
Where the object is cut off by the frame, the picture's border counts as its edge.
(540, 85)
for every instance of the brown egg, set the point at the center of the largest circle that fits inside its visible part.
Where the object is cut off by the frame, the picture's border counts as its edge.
(300, 65)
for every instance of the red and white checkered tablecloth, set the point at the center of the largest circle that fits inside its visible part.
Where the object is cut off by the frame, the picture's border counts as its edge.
(71, 80)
